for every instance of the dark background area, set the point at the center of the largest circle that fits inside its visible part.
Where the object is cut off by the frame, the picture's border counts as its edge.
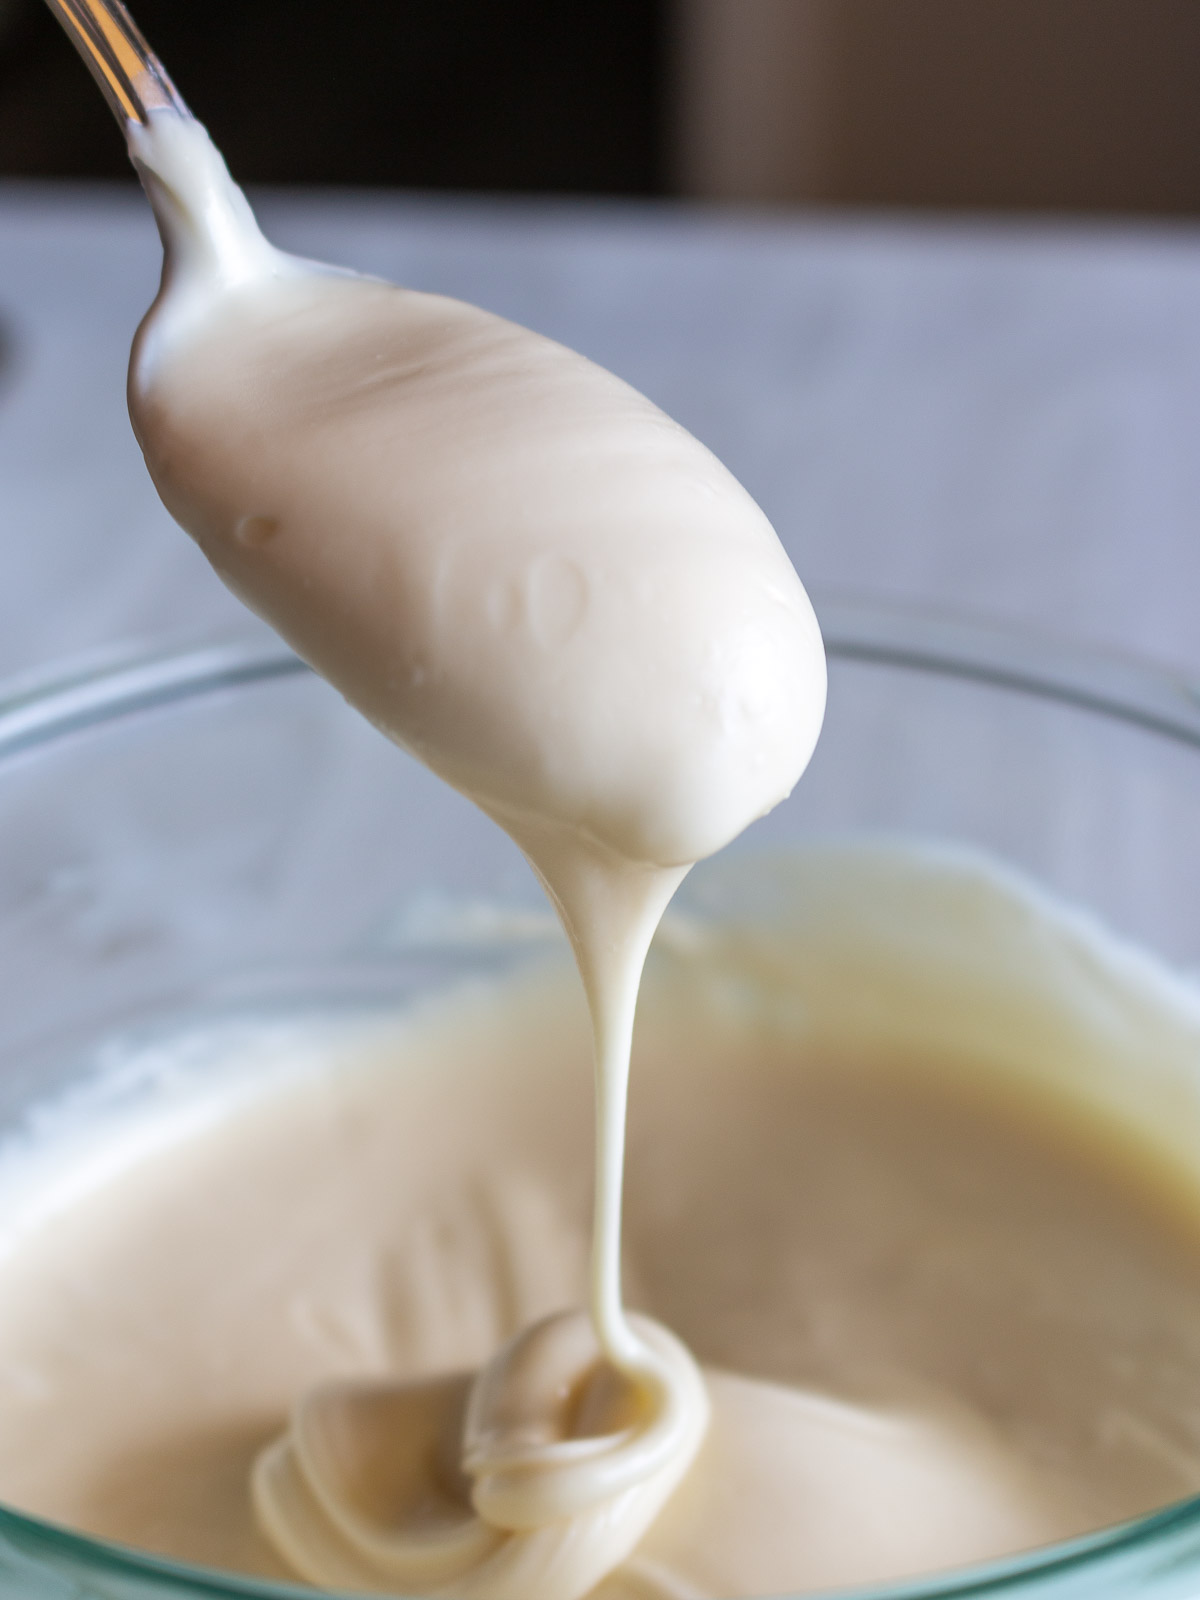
(1033, 104)
(455, 94)
(1061, 105)
(997, 105)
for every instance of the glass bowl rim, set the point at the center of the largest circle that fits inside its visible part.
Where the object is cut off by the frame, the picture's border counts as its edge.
(39, 709)
(67, 697)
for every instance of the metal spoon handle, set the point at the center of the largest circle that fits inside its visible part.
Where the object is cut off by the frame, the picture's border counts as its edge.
(130, 75)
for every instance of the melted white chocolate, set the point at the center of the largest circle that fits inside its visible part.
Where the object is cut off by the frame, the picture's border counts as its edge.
(509, 560)
(526, 574)
(925, 1207)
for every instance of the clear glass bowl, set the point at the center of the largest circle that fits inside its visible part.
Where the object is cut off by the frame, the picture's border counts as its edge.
(215, 827)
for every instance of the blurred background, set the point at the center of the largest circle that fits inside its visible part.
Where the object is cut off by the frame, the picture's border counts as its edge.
(939, 310)
(1070, 105)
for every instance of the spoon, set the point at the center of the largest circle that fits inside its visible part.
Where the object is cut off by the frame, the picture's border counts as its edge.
(130, 75)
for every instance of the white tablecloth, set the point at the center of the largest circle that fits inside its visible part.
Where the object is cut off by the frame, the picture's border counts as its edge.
(998, 417)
